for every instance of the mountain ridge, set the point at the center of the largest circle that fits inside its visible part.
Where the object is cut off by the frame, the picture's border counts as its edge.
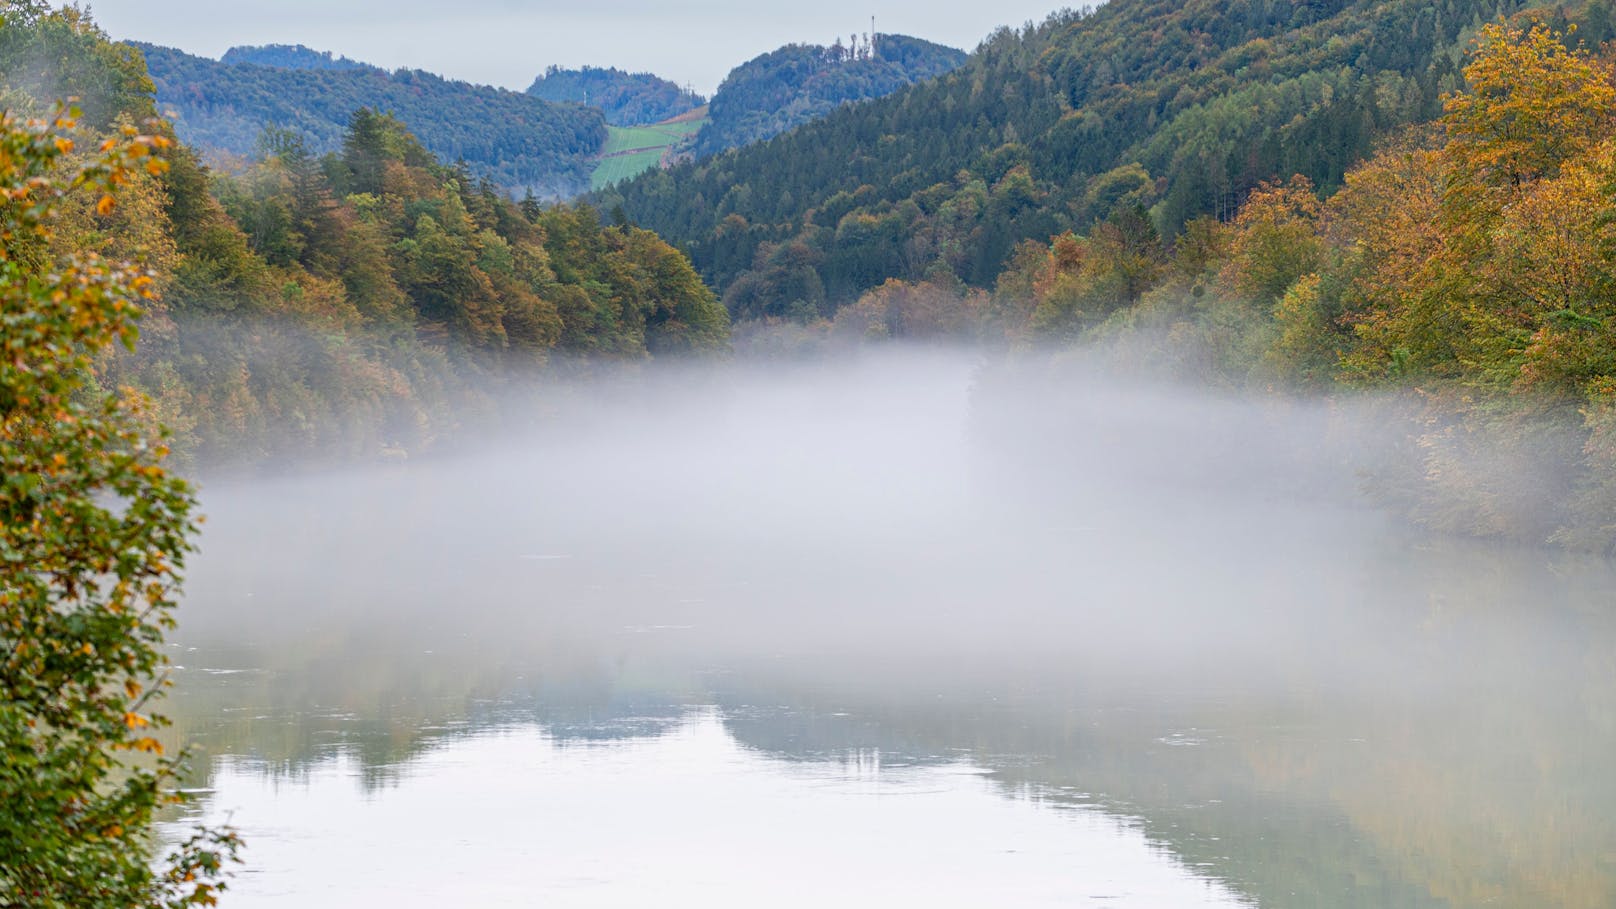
(517, 141)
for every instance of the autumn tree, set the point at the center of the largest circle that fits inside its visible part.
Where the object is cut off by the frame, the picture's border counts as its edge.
(93, 535)
(1275, 240)
(1524, 207)
(1531, 105)
(1388, 219)
(937, 309)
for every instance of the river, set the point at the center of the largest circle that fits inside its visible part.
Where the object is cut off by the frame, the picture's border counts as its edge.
(863, 633)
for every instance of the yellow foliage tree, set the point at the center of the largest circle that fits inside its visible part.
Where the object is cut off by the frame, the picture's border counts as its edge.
(1388, 220)
(1531, 106)
(1525, 205)
(1275, 240)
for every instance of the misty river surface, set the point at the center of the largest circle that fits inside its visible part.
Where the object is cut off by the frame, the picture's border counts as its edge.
(897, 630)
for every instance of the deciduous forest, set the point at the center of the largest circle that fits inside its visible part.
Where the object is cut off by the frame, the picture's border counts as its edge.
(362, 300)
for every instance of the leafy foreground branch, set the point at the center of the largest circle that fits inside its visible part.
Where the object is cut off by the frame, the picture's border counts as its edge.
(93, 534)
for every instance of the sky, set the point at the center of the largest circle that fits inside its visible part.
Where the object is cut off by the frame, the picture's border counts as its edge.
(509, 42)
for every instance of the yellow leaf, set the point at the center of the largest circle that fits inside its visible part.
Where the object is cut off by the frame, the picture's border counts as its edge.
(147, 744)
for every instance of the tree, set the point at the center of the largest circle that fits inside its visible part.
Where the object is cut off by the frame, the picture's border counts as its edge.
(1532, 105)
(93, 533)
(1401, 301)
(1275, 240)
(1526, 207)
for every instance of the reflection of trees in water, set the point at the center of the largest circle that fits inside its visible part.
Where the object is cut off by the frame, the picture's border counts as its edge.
(1326, 799)
(381, 698)
(1472, 770)
(1317, 716)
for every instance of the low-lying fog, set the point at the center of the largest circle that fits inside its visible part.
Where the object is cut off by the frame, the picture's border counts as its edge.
(776, 599)
(910, 505)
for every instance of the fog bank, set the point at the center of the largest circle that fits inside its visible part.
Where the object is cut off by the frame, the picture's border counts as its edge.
(903, 508)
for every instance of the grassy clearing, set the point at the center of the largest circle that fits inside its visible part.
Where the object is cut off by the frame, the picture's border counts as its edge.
(682, 128)
(621, 167)
(630, 150)
(625, 138)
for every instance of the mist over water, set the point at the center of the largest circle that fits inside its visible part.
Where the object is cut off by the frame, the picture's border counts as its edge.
(1075, 610)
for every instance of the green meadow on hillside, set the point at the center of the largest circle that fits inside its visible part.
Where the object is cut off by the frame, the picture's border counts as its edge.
(632, 150)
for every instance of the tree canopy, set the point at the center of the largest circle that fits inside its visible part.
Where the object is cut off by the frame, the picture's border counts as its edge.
(1183, 108)
(361, 300)
(773, 92)
(627, 99)
(93, 536)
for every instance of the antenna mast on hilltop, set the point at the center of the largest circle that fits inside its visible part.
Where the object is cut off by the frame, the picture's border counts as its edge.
(872, 36)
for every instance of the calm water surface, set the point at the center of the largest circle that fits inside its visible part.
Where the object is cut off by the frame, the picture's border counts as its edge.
(814, 642)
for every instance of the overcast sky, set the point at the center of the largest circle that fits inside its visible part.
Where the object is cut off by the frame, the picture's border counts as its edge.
(508, 42)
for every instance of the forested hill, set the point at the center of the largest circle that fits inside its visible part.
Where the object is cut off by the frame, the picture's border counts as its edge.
(627, 99)
(518, 141)
(371, 299)
(769, 94)
(1179, 106)
(290, 56)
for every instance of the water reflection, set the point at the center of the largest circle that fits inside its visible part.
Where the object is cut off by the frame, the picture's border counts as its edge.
(689, 816)
(632, 660)
(1492, 793)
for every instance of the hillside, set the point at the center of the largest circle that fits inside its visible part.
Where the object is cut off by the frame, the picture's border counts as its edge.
(633, 150)
(772, 93)
(290, 56)
(1402, 197)
(1180, 107)
(519, 142)
(371, 299)
(626, 99)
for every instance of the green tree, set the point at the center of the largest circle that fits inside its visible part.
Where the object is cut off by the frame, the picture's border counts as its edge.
(93, 533)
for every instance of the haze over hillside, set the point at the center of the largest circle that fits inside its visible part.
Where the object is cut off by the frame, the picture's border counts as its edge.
(627, 99)
(290, 56)
(760, 99)
(771, 93)
(547, 145)
(498, 42)
(518, 141)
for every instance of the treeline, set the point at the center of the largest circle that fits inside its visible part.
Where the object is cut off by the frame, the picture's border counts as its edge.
(771, 93)
(347, 303)
(1467, 268)
(1183, 108)
(626, 99)
(289, 56)
(518, 141)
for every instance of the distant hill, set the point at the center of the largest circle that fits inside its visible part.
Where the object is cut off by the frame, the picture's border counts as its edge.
(1180, 108)
(770, 94)
(290, 56)
(343, 306)
(627, 99)
(518, 141)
